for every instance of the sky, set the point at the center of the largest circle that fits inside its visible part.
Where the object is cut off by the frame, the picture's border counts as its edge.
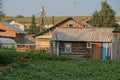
(56, 7)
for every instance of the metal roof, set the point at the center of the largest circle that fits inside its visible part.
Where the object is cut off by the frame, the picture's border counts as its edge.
(44, 36)
(103, 34)
(13, 28)
(7, 41)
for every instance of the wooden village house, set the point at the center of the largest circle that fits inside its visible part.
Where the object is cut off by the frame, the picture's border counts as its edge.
(42, 39)
(88, 42)
(12, 32)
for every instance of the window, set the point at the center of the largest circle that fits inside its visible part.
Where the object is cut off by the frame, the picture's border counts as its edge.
(68, 47)
(71, 25)
(89, 45)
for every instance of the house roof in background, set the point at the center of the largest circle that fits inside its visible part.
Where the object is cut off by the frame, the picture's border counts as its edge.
(103, 34)
(56, 25)
(13, 28)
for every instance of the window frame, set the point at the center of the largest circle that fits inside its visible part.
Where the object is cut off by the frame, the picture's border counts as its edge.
(68, 46)
(89, 45)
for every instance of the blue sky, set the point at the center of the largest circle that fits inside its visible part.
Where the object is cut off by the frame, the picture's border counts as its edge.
(56, 7)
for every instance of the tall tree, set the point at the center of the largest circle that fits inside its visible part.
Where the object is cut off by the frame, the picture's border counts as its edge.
(1, 13)
(33, 28)
(105, 17)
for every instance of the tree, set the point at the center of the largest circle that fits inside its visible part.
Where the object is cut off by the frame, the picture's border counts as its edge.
(33, 28)
(105, 17)
(1, 11)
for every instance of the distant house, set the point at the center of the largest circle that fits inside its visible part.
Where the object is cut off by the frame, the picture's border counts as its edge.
(42, 39)
(19, 25)
(88, 42)
(11, 31)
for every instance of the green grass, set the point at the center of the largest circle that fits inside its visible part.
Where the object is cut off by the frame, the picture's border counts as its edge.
(45, 66)
(48, 20)
(66, 70)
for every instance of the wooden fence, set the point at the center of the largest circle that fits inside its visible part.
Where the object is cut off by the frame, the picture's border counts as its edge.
(30, 47)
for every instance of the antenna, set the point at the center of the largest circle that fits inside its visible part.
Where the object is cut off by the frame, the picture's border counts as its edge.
(74, 6)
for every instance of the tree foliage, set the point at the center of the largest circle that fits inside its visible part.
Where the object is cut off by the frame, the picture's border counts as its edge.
(104, 17)
(33, 29)
(1, 12)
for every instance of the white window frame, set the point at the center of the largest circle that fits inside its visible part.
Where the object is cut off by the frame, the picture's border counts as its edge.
(89, 45)
(68, 46)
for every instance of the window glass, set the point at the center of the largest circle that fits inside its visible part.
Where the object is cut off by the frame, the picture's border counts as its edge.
(67, 48)
(89, 45)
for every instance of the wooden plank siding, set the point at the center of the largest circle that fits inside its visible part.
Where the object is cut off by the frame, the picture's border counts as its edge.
(8, 32)
(50, 31)
(116, 46)
(78, 49)
(42, 43)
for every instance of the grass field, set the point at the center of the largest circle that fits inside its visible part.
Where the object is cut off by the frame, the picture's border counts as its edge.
(51, 67)
(48, 20)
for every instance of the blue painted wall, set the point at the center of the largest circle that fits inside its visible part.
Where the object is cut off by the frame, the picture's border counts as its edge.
(57, 47)
(104, 50)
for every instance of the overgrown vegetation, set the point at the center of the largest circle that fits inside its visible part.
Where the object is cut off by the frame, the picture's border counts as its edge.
(38, 66)
(33, 29)
(105, 17)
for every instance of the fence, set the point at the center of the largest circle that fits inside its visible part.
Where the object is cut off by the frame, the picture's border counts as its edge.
(31, 47)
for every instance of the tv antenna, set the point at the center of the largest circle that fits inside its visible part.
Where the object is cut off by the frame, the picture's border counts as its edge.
(74, 7)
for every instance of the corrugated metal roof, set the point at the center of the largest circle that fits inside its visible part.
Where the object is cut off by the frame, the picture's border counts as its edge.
(13, 28)
(103, 34)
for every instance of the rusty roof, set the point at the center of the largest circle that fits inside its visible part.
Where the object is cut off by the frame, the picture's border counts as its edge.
(97, 34)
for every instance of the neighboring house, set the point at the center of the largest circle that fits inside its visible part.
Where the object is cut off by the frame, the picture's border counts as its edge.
(92, 42)
(29, 39)
(19, 25)
(12, 32)
(42, 39)
(116, 45)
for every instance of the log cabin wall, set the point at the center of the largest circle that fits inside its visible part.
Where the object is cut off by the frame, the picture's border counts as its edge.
(78, 49)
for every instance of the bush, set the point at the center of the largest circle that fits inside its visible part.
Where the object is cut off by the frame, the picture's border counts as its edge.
(8, 57)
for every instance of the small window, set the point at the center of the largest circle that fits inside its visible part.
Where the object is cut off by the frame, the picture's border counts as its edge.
(89, 45)
(70, 25)
(68, 48)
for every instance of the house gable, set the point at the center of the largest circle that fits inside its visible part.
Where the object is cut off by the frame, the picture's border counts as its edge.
(69, 22)
(10, 31)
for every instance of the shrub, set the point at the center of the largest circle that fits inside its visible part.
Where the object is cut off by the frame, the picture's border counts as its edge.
(8, 57)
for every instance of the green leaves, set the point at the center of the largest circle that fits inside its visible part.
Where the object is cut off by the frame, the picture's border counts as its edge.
(105, 17)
